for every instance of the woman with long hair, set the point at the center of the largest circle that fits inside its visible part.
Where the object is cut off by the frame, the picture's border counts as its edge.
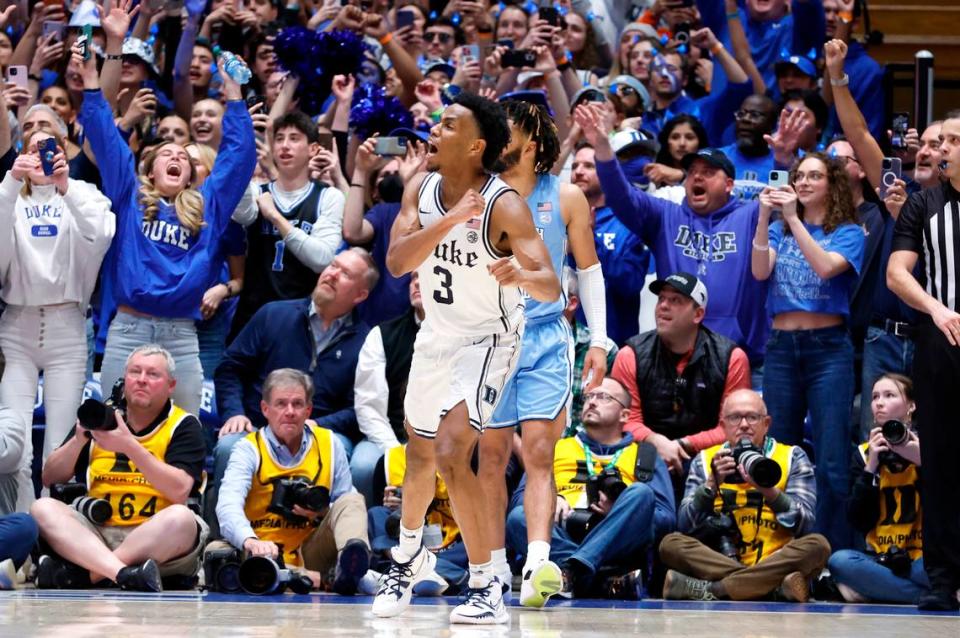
(885, 505)
(168, 249)
(680, 136)
(812, 257)
(54, 233)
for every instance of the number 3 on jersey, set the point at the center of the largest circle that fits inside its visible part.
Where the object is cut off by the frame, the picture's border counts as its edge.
(445, 295)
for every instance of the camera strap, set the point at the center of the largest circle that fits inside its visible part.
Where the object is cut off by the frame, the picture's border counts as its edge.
(589, 455)
(646, 462)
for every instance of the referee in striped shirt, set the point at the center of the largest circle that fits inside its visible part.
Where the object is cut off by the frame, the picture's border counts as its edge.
(928, 229)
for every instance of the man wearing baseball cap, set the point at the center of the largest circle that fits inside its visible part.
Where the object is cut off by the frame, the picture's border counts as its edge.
(708, 234)
(678, 375)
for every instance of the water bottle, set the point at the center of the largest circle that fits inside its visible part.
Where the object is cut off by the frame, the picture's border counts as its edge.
(235, 67)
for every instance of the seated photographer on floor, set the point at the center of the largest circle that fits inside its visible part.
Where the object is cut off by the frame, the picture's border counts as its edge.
(287, 494)
(18, 532)
(885, 505)
(614, 500)
(143, 456)
(441, 534)
(751, 500)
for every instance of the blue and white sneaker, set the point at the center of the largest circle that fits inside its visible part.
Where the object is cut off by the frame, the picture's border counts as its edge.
(483, 606)
(396, 585)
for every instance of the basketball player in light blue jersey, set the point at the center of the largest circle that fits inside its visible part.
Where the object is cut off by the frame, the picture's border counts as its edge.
(536, 397)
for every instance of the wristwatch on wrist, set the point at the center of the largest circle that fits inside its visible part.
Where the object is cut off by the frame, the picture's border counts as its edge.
(843, 81)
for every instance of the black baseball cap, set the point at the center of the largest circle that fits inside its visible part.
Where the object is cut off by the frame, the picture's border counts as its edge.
(714, 157)
(684, 283)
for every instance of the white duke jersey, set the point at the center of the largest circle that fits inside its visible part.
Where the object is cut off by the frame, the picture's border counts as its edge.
(460, 296)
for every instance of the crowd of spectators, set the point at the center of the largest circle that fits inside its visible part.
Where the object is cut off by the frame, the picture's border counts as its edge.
(196, 200)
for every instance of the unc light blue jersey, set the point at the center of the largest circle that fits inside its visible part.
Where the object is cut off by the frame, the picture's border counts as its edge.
(544, 203)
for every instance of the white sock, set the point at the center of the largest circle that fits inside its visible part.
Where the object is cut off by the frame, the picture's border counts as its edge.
(410, 541)
(499, 559)
(481, 575)
(537, 552)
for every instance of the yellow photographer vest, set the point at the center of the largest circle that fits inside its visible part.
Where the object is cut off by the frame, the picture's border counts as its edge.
(570, 468)
(900, 522)
(762, 533)
(115, 478)
(440, 511)
(316, 467)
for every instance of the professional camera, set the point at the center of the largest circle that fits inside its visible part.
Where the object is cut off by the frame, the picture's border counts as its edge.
(607, 481)
(98, 415)
(288, 492)
(221, 570)
(896, 433)
(896, 560)
(579, 523)
(96, 510)
(262, 576)
(722, 534)
(763, 471)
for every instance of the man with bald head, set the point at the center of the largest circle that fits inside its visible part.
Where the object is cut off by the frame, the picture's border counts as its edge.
(752, 501)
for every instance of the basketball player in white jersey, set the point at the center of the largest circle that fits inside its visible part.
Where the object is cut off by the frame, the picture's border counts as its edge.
(537, 395)
(473, 244)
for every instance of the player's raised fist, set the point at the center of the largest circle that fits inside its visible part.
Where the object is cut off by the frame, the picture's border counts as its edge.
(470, 205)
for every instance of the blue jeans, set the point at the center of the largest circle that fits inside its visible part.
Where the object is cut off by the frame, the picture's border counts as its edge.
(882, 352)
(813, 370)
(18, 533)
(212, 341)
(178, 336)
(860, 572)
(363, 463)
(620, 539)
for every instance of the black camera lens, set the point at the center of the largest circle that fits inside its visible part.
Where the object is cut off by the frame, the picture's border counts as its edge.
(763, 471)
(97, 510)
(228, 578)
(259, 575)
(895, 432)
(96, 415)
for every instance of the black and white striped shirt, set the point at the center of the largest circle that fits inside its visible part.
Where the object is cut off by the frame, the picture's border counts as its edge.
(929, 225)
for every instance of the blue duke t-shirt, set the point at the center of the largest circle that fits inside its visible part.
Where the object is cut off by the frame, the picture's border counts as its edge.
(795, 286)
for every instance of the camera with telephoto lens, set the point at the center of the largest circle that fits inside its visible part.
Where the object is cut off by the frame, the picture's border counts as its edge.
(221, 570)
(896, 433)
(99, 415)
(262, 576)
(288, 492)
(896, 560)
(96, 510)
(722, 534)
(608, 481)
(579, 523)
(763, 471)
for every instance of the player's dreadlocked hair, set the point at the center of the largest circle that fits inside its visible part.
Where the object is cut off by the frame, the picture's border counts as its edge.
(492, 122)
(534, 120)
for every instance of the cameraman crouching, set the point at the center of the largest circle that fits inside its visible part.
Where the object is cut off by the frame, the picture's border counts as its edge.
(288, 489)
(752, 500)
(614, 498)
(146, 467)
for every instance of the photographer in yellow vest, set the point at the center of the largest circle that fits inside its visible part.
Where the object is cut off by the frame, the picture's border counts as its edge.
(146, 459)
(614, 500)
(885, 505)
(287, 489)
(745, 518)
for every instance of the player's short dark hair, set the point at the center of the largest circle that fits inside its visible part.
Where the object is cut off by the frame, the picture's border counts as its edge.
(300, 121)
(492, 122)
(534, 120)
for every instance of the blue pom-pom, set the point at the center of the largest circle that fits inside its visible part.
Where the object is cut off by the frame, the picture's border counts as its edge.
(315, 58)
(375, 112)
(455, 18)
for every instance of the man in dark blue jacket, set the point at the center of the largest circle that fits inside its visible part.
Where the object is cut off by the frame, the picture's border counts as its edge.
(320, 335)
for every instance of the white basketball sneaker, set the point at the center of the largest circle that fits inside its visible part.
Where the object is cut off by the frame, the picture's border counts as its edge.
(540, 583)
(483, 606)
(396, 584)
